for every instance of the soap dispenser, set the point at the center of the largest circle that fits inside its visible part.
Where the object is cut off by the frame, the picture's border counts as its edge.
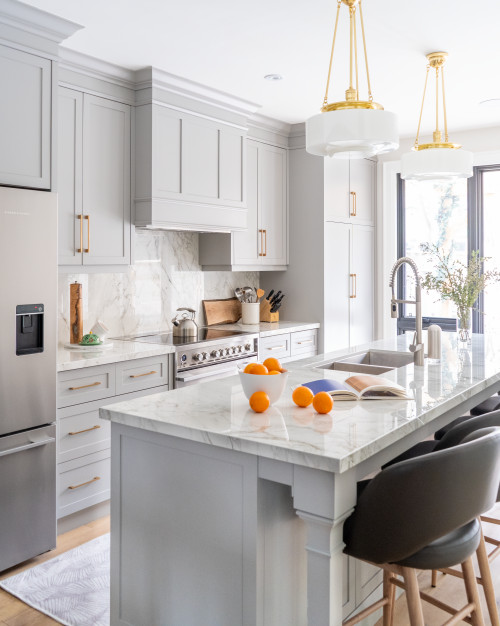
(434, 342)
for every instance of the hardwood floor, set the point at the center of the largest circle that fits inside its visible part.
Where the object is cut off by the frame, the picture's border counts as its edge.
(13, 612)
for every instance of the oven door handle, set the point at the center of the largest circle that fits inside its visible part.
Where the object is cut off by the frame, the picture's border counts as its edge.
(184, 379)
(28, 446)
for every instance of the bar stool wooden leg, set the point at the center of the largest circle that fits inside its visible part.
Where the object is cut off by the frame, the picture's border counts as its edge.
(389, 591)
(472, 592)
(413, 596)
(434, 578)
(487, 582)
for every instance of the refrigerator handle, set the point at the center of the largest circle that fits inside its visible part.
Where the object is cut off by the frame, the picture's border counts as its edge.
(27, 446)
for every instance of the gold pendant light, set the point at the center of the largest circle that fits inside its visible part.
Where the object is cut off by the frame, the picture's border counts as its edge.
(437, 159)
(351, 128)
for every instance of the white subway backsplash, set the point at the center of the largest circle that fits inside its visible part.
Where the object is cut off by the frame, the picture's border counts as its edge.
(165, 275)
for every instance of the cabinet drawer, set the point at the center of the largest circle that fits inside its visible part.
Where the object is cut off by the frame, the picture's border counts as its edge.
(277, 346)
(304, 342)
(80, 431)
(141, 374)
(83, 482)
(85, 385)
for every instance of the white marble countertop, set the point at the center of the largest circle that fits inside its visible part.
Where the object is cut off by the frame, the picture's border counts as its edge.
(217, 413)
(119, 351)
(266, 329)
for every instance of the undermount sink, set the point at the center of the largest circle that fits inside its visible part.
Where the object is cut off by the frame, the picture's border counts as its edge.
(369, 362)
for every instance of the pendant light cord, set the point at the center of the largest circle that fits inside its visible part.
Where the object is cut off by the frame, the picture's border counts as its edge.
(446, 138)
(422, 107)
(370, 97)
(339, 3)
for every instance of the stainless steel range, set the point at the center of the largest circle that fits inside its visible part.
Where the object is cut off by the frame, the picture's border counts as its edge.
(213, 353)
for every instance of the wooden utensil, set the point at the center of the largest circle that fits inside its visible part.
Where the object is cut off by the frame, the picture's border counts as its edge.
(260, 293)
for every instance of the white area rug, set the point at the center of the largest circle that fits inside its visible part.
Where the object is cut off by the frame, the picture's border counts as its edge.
(72, 588)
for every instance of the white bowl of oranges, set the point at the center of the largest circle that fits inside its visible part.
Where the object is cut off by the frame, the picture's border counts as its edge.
(263, 383)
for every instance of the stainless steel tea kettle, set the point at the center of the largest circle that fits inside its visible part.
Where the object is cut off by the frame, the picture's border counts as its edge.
(184, 324)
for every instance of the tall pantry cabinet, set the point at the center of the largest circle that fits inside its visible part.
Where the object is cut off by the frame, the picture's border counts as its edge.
(330, 276)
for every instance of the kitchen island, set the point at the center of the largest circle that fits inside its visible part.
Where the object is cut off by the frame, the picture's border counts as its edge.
(224, 517)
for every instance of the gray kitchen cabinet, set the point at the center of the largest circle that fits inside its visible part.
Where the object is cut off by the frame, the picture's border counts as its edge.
(25, 119)
(94, 163)
(83, 439)
(190, 171)
(289, 346)
(349, 293)
(350, 190)
(264, 244)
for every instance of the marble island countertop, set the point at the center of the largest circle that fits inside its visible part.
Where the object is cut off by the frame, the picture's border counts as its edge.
(266, 329)
(218, 414)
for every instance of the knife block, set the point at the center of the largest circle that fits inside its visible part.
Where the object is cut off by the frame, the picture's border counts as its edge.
(265, 312)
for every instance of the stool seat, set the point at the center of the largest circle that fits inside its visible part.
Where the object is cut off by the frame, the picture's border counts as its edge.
(446, 551)
(491, 404)
(423, 447)
(439, 434)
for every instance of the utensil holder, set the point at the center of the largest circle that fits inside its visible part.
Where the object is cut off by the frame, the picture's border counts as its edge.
(250, 312)
(265, 312)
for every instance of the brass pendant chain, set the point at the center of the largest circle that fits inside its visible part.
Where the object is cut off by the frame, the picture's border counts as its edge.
(422, 107)
(370, 97)
(446, 138)
(325, 101)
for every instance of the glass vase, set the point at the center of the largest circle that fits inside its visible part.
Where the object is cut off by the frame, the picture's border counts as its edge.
(464, 325)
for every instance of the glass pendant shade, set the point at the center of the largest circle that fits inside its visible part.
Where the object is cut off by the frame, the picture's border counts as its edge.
(353, 128)
(352, 133)
(436, 163)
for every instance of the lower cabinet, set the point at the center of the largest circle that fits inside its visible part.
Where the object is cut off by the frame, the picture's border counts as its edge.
(359, 581)
(289, 346)
(83, 439)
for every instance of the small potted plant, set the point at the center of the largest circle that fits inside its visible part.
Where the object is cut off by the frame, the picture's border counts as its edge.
(458, 282)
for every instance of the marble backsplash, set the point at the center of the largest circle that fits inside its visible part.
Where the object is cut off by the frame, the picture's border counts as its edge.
(165, 275)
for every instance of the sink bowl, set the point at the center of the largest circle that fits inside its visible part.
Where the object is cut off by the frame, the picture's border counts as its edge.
(369, 362)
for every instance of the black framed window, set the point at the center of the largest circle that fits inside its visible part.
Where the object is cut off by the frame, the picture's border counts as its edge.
(459, 216)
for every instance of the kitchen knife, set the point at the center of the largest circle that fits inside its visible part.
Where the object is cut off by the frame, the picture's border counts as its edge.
(270, 294)
(275, 297)
(277, 304)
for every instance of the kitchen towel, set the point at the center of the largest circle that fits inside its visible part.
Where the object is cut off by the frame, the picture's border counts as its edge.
(72, 588)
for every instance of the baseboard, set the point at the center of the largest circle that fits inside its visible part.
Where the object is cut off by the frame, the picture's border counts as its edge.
(90, 514)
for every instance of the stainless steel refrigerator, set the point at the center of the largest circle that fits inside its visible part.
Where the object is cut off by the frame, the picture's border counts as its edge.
(28, 304)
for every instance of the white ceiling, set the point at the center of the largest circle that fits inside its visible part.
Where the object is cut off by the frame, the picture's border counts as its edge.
(230, 45)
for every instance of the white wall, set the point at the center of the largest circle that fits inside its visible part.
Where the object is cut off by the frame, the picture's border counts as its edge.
(483, 142)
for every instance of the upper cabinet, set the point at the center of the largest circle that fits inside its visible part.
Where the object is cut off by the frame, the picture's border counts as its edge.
(264, 245)
(190, 171)
(94, 164)
(25, 119)
(350, 190)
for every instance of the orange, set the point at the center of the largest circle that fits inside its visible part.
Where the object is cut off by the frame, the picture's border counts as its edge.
(274, 372)
(255, 368)
(323, 402)
(259, 401)
(302, 396)
(272, 364)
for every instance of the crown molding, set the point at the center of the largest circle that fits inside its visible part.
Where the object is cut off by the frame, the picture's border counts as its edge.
(150, 77)
(95, 68)
(270, 124)
(28, 19)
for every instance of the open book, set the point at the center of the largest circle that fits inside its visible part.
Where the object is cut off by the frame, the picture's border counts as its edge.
(360, 387)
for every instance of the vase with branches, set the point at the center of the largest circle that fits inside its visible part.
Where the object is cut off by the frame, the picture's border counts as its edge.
(458, 282)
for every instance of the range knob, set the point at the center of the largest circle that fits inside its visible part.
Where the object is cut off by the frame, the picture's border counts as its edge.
(240, 348)
(198, 356)
(227, 351)
(214, 353)
(221, 352)
(233, 349)
(248, 346)
(204, 355)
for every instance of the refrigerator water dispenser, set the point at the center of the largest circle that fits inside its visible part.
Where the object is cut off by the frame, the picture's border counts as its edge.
(29, 328)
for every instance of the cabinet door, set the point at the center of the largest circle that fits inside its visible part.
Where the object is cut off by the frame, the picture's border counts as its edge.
(69, 179)
(246, 243)
(273, 204)
(362, 190)
(362, 268)
(337, 286)
(200, 159)
(336, 183)
(25, 119)
(231, 166)
(106, 181)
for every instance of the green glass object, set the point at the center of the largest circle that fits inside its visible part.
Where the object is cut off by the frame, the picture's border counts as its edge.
(90, 340)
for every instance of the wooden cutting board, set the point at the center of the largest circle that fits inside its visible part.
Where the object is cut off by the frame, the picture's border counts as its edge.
(226, 311)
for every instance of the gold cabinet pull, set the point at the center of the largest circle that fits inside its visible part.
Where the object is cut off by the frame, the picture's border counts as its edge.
(354, 204)
(305, 341)
(355, 285)
(78, 432)
(261, 242)
(84, 386)
(145, 374)
(86, 483)
(80, 217)
(87, 217)
(277, 348)
(265, 242)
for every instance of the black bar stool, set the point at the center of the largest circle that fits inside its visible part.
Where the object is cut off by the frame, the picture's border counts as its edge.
(413, 515)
